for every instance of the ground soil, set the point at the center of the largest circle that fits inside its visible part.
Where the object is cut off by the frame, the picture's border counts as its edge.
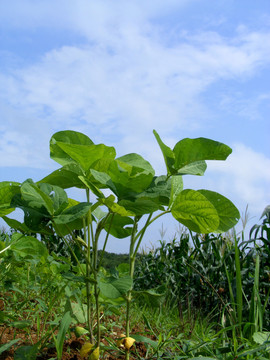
(71, 350)
(72, 345)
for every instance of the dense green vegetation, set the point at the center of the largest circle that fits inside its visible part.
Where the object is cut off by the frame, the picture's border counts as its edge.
(192, 311)
(55, 281)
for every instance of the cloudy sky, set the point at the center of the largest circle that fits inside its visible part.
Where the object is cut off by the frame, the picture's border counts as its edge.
(116, 70)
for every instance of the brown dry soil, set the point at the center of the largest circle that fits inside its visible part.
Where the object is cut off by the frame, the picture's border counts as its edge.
(71, 350)
(72, 346)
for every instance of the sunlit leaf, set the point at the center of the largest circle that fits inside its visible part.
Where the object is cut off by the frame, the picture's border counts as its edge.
(158, 191)
(227, 212)
(176, 188)
(168, 154)
(66, 137)
(188, 151)
(115, 207)
(195, 168)
(86, 155)
(195, 211)
(140, 206)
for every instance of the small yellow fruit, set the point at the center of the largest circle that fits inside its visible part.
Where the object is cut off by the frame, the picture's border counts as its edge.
(128, 342)
(95, 354)
(120, 341)
(86, 348)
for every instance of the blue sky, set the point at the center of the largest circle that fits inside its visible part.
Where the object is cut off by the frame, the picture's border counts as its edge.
(116, 70)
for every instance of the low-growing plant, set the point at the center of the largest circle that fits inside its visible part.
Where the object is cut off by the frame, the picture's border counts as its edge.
(137, 198)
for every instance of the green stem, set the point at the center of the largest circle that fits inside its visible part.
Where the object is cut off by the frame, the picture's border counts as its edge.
(135, 242)
(88, 268)
(150, 222)
(106, 238)
(131, 272)
(142, 232)
(96, 289)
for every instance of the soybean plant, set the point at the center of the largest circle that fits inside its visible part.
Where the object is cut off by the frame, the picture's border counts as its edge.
(123, 197)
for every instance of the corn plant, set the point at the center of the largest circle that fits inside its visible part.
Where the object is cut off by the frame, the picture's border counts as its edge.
(137, 198)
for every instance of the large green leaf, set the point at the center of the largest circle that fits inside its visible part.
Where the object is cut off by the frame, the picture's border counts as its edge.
(114, 207)
(34, 218)
(16, 225)
(227, 212)
(176, 188)
(104, 179)
(159, 190)
(72, 213)
(195, 168)
(57, 195)
(115, 288)
(188, 155)
(135, 164)
(77, 311)
(91, 186)
(131, 173)
(87, 155)
(261, 337)
(188, 151)
(27, 352)
(44, 196)
(66, 137)
(168, 154)
(126, 176)
(120, 227)
(140, 206)
(28, 246)
(69, 147)
(44, 203)
(152, 297)
(36, 198)
(72, 218)
(195, 211)
(7, 190)
(65, 177)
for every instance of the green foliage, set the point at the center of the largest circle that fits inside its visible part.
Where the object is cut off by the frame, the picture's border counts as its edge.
(111, 261)
(59, 340)
(202, 273)
(134, 191)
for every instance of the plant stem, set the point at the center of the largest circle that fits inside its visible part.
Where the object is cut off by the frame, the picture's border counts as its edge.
(107, 237)
(88, 269)
(95, 271)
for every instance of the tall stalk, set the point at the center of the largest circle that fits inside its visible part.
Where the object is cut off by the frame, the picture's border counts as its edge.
(88, 232)
(239, 295)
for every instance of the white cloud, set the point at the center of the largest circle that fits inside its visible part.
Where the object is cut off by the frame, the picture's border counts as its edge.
(248, 108)
(245, 175)
(126, 78)
(126, 88)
